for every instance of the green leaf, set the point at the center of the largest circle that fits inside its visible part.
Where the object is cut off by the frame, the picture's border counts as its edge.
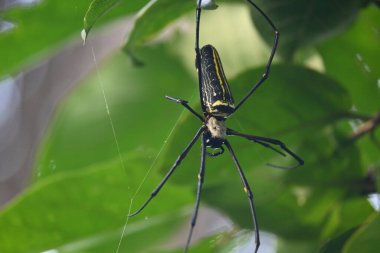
(136, 101)
(152, 19)
(275, 109)
(336, 244)
(87, 208)
(296, 246)
(96, 9)
(296, 105)
(83, 190)
(352, 58)
(229, 241)
(41, 29)
(81, 181)
(304, 23)
(366, 238)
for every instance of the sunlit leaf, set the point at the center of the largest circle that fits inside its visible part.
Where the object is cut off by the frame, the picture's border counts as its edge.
(152, 19)
(41, 28)
(96, 9)
(136, 101)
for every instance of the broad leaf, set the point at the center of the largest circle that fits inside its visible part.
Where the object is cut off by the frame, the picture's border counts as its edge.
(96, 9)
(295, 105)
(337, 244)
(152, 19)
(87, 209)
(303, 23)
(352, 58)
(41, 28)
(365, 238)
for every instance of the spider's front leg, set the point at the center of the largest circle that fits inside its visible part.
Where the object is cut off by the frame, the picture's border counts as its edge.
(185, 104)
(269, 63)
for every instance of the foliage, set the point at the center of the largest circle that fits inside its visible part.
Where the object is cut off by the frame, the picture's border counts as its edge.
(325, 80)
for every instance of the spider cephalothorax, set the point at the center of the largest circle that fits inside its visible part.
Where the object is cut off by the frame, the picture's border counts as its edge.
(216, 127)
(215, 134)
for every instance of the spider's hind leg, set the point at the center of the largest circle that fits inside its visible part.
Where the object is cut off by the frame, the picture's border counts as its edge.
(199, 191)
(247, 190)
(267, 142)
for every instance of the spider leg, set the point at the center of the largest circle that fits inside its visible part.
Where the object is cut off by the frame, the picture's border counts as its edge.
(199, 191)
(247, 190)
(184, 103)
(263, 141)
(269, 63)
(270, 147)
(197, 23)
(172, 169)
(197, 51)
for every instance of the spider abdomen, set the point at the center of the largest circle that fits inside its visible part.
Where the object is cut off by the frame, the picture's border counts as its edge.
(216, 94)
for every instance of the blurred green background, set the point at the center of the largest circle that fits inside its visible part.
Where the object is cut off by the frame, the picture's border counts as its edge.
(107, 136)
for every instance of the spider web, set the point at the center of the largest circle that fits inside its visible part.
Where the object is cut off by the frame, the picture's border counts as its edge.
(132, 195)
(358, 57)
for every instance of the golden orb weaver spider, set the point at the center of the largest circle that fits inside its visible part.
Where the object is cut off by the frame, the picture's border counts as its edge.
(217, 105)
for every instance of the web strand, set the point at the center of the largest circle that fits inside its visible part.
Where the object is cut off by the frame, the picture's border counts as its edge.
(108, 110)
(124, 227)
(157, 156)
(100, 81)
(154, 162)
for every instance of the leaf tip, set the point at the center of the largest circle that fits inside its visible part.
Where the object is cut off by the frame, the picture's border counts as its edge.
(83, 34)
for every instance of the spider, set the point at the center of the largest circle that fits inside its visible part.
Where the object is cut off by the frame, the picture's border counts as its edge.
(217, 105)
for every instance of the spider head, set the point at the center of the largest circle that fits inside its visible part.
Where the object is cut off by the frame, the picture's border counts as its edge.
(216, 132)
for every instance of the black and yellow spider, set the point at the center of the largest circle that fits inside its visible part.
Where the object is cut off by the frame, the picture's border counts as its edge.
(217, 105)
